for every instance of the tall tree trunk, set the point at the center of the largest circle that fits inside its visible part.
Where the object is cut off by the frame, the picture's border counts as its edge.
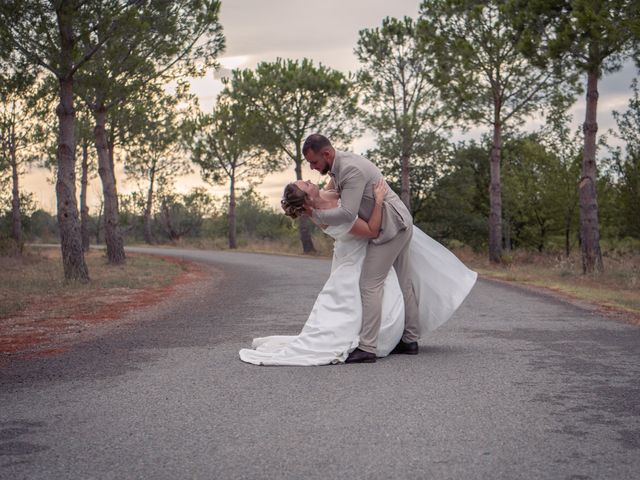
(543, 235)
(112, 235)
(507, 231)
(99, 223)
(148, 236)
(303, 222)
(305, 235)
(171, 232)
(567, 236)
(16, 216)
(232, 213)
(84, 209)
(589, 229)
(75, 267)
(568, 221)
(405, 182)
(495, 197)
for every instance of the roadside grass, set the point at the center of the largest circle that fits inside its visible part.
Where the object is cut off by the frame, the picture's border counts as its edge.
(288, 246)
(618, 287)
(37, 276)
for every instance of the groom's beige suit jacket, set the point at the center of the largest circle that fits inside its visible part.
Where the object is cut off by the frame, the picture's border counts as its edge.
(355, 178)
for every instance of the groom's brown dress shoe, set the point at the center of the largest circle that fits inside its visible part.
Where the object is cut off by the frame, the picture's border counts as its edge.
(410, 348)
(360, 356)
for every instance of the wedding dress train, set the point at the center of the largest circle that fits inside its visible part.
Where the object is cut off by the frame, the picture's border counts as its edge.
(440, 281)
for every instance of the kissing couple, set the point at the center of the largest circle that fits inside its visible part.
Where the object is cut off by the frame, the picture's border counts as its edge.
(389, 281)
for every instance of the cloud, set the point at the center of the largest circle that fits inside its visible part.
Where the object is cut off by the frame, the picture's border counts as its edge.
(618, 83)
(260, 28)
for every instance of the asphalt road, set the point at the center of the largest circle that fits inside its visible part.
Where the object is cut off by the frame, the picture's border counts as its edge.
(516, 385)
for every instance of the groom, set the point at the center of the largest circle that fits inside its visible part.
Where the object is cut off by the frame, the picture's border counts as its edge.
(354, 177)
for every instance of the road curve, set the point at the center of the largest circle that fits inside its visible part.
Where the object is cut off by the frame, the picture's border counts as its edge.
(516, 385)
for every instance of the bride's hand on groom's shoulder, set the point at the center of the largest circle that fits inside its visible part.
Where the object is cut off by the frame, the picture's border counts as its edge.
(380, 190)
(308, 210)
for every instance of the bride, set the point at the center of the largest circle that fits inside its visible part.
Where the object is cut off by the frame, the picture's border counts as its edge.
(440, 282)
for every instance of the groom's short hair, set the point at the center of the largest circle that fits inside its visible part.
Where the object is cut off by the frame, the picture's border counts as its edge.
(315, 142)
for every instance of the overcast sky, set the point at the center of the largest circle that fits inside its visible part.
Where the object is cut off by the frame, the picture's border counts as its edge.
(326, 32)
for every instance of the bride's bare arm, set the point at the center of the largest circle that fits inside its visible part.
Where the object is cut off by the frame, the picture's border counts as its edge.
(320, 225)
(371, 229)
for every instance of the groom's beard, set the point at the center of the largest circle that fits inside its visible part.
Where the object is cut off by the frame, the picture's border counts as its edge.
(325, 170)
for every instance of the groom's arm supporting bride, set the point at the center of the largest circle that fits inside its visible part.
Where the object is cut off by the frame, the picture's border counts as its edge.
(301, 197)
(371, 229)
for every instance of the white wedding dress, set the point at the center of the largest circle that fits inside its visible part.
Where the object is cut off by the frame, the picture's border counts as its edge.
(440, 282)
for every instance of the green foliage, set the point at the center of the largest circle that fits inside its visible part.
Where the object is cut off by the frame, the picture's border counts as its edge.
(466, 61)
(256, 220)
(482, 75)
(20, 100)
(540, 200)
(197, 214)
(488, 80)
(594, 35)
(155, 152)
(404, 108)
(41, 225)
(223, 145)
(131, 209)
(32, 31)
(428, 162)
(290, 99)
(156, 41)
(457, 206)
(182, 215)
(37, 224)
(626, 166)
(27, 203)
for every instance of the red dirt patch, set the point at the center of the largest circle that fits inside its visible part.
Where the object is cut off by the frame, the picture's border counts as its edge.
(50, 326)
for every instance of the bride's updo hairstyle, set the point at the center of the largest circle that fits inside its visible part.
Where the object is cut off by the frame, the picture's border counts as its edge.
(293, 201)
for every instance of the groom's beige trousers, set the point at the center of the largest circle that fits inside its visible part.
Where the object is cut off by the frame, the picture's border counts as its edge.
(377, 263)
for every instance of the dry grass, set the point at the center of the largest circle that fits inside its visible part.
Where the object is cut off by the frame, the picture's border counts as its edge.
(41, 314)
(617, 288)
(323, 245)
(38, 275)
